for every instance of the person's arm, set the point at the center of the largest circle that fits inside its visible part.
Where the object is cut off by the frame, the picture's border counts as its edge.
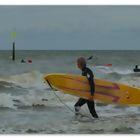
(90, 77)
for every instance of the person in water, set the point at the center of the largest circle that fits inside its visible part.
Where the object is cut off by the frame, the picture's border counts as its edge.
(81, 64)
(23, 61)
(136, 69)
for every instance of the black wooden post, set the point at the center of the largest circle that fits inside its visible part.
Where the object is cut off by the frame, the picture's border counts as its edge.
(13, 52)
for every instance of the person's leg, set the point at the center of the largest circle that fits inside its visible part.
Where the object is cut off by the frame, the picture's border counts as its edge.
(78, 104)
(92, 110)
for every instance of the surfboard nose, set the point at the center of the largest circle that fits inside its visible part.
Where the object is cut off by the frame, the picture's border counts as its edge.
(53, 76)
(49, 80)
(47, 77)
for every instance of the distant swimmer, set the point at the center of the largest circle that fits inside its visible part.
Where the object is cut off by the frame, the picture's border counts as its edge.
(89, 58)
(29, 61)
(136, 69)
(23, 61)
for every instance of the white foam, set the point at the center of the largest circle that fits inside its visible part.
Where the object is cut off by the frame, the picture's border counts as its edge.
(107, 70)
(123, 71)
(30, 99)
(132, 81)
(104, 69)
(27, 80)
(6, 100)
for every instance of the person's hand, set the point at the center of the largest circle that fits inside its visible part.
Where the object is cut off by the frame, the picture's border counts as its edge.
(91, 97)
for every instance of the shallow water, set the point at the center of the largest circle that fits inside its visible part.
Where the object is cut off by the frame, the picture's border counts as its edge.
(28, 105)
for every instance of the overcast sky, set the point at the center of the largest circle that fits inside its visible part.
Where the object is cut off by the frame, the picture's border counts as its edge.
(70, 27)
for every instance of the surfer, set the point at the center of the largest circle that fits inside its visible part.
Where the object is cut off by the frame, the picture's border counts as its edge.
(23, 61)
(136, 69)
(81, 64)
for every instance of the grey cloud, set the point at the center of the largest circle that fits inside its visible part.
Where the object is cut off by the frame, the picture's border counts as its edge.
(71, 27)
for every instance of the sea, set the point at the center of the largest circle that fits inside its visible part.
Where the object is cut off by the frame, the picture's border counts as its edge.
(30, 106)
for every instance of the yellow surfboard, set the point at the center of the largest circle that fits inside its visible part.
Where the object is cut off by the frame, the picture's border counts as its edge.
(105, 91)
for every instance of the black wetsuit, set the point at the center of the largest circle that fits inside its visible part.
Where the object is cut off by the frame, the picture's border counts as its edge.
(88, 73)
(136, 70)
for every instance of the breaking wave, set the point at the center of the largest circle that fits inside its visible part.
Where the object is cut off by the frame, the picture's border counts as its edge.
(126, 76)
(27, 89)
